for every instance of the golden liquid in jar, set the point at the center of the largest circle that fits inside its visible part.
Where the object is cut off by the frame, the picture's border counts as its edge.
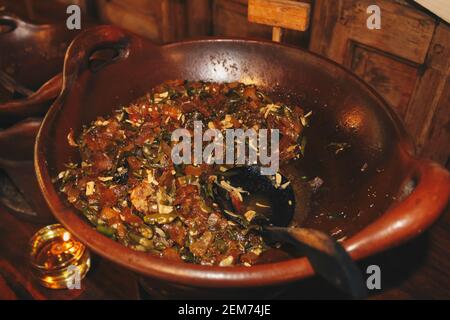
(54, 253)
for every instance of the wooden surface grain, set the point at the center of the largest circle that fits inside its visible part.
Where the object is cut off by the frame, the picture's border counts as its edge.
(280, 13)
(419, 269)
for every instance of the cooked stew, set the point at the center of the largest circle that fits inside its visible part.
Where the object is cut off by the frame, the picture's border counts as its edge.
(128, 187)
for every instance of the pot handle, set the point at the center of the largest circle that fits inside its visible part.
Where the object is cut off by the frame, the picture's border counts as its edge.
(9, 24)
(409, 217)
(35, 104)
(17, 141)
(96, 48)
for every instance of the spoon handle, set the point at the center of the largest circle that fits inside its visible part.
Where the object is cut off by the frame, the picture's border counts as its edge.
(328, 258)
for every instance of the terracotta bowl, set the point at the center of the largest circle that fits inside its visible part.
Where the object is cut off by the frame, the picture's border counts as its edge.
(33, 56)
(385, 193)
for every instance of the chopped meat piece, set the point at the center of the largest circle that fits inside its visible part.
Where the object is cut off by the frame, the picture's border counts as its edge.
(143, 197)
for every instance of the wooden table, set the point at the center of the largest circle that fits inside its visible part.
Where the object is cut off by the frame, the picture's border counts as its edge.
(419, 269)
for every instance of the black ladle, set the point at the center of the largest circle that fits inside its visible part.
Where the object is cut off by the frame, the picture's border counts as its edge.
(261, 194)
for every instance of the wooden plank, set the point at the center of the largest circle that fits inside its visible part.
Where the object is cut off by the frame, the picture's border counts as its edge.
(428, 115)
(143, 24)
(199, 18)
(280, 13)
(230, 19)
(159, 20)
(140, 6)
(327, 13)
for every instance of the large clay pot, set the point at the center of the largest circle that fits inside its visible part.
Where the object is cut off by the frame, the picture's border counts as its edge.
(406, 194)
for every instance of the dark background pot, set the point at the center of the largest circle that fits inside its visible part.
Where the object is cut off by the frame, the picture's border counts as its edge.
(386, 194)
(33, 56)
(21, 191)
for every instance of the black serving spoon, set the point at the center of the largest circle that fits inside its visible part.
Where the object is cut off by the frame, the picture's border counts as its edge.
(268, 203)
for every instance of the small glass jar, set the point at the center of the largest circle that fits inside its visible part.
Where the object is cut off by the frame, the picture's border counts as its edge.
(58, 260)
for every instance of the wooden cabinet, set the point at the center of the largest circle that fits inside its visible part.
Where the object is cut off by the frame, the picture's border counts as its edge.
(407, 61)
